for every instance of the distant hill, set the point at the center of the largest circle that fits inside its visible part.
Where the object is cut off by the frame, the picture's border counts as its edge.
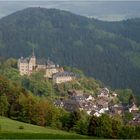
(109, 51)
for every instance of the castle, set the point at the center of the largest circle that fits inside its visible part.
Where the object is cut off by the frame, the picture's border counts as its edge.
(29, 65)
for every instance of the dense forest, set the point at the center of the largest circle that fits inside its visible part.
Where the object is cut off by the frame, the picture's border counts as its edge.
(108, 51)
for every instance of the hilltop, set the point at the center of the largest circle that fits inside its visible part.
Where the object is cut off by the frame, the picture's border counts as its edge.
(101, 49)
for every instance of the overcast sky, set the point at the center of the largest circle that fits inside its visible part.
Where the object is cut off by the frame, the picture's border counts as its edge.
(105, 10)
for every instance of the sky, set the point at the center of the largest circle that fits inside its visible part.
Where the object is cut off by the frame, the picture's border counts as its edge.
(104, 10)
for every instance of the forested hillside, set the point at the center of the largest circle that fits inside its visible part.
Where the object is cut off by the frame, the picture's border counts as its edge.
(101, 49)
(128, 28)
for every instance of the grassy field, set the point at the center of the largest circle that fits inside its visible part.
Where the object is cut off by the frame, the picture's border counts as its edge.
(10, 129)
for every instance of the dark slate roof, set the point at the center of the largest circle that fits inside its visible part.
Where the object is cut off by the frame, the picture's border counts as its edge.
(86, 95)
(58, 102)
(49, 62)
(78, 98)
(24, 60)
(70, 105)
(27, 59)
(41, 61)
(65, 73)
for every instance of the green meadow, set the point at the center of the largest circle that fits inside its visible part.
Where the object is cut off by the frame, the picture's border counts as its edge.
(11, 129)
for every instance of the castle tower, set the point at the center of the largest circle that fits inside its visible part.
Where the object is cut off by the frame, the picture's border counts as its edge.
(32, 62)
(23, 66)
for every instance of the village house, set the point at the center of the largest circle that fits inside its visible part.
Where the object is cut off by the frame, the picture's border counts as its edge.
(75, 92)
(135, 121)
(80, 95)
(70, 105)
(88, 97)
(95, 113)
(114, 94)
(133, 108)
(104, 93)
(116, 109)
(59, 103)
(102, 105)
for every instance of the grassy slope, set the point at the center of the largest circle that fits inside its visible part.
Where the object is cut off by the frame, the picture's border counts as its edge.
(10, 129)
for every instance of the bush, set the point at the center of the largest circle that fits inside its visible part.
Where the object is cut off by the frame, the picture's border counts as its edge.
(21, 127)
(127, 132)
(137, 132)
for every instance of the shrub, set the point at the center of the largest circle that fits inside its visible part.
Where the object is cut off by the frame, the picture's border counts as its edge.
(21, 127)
